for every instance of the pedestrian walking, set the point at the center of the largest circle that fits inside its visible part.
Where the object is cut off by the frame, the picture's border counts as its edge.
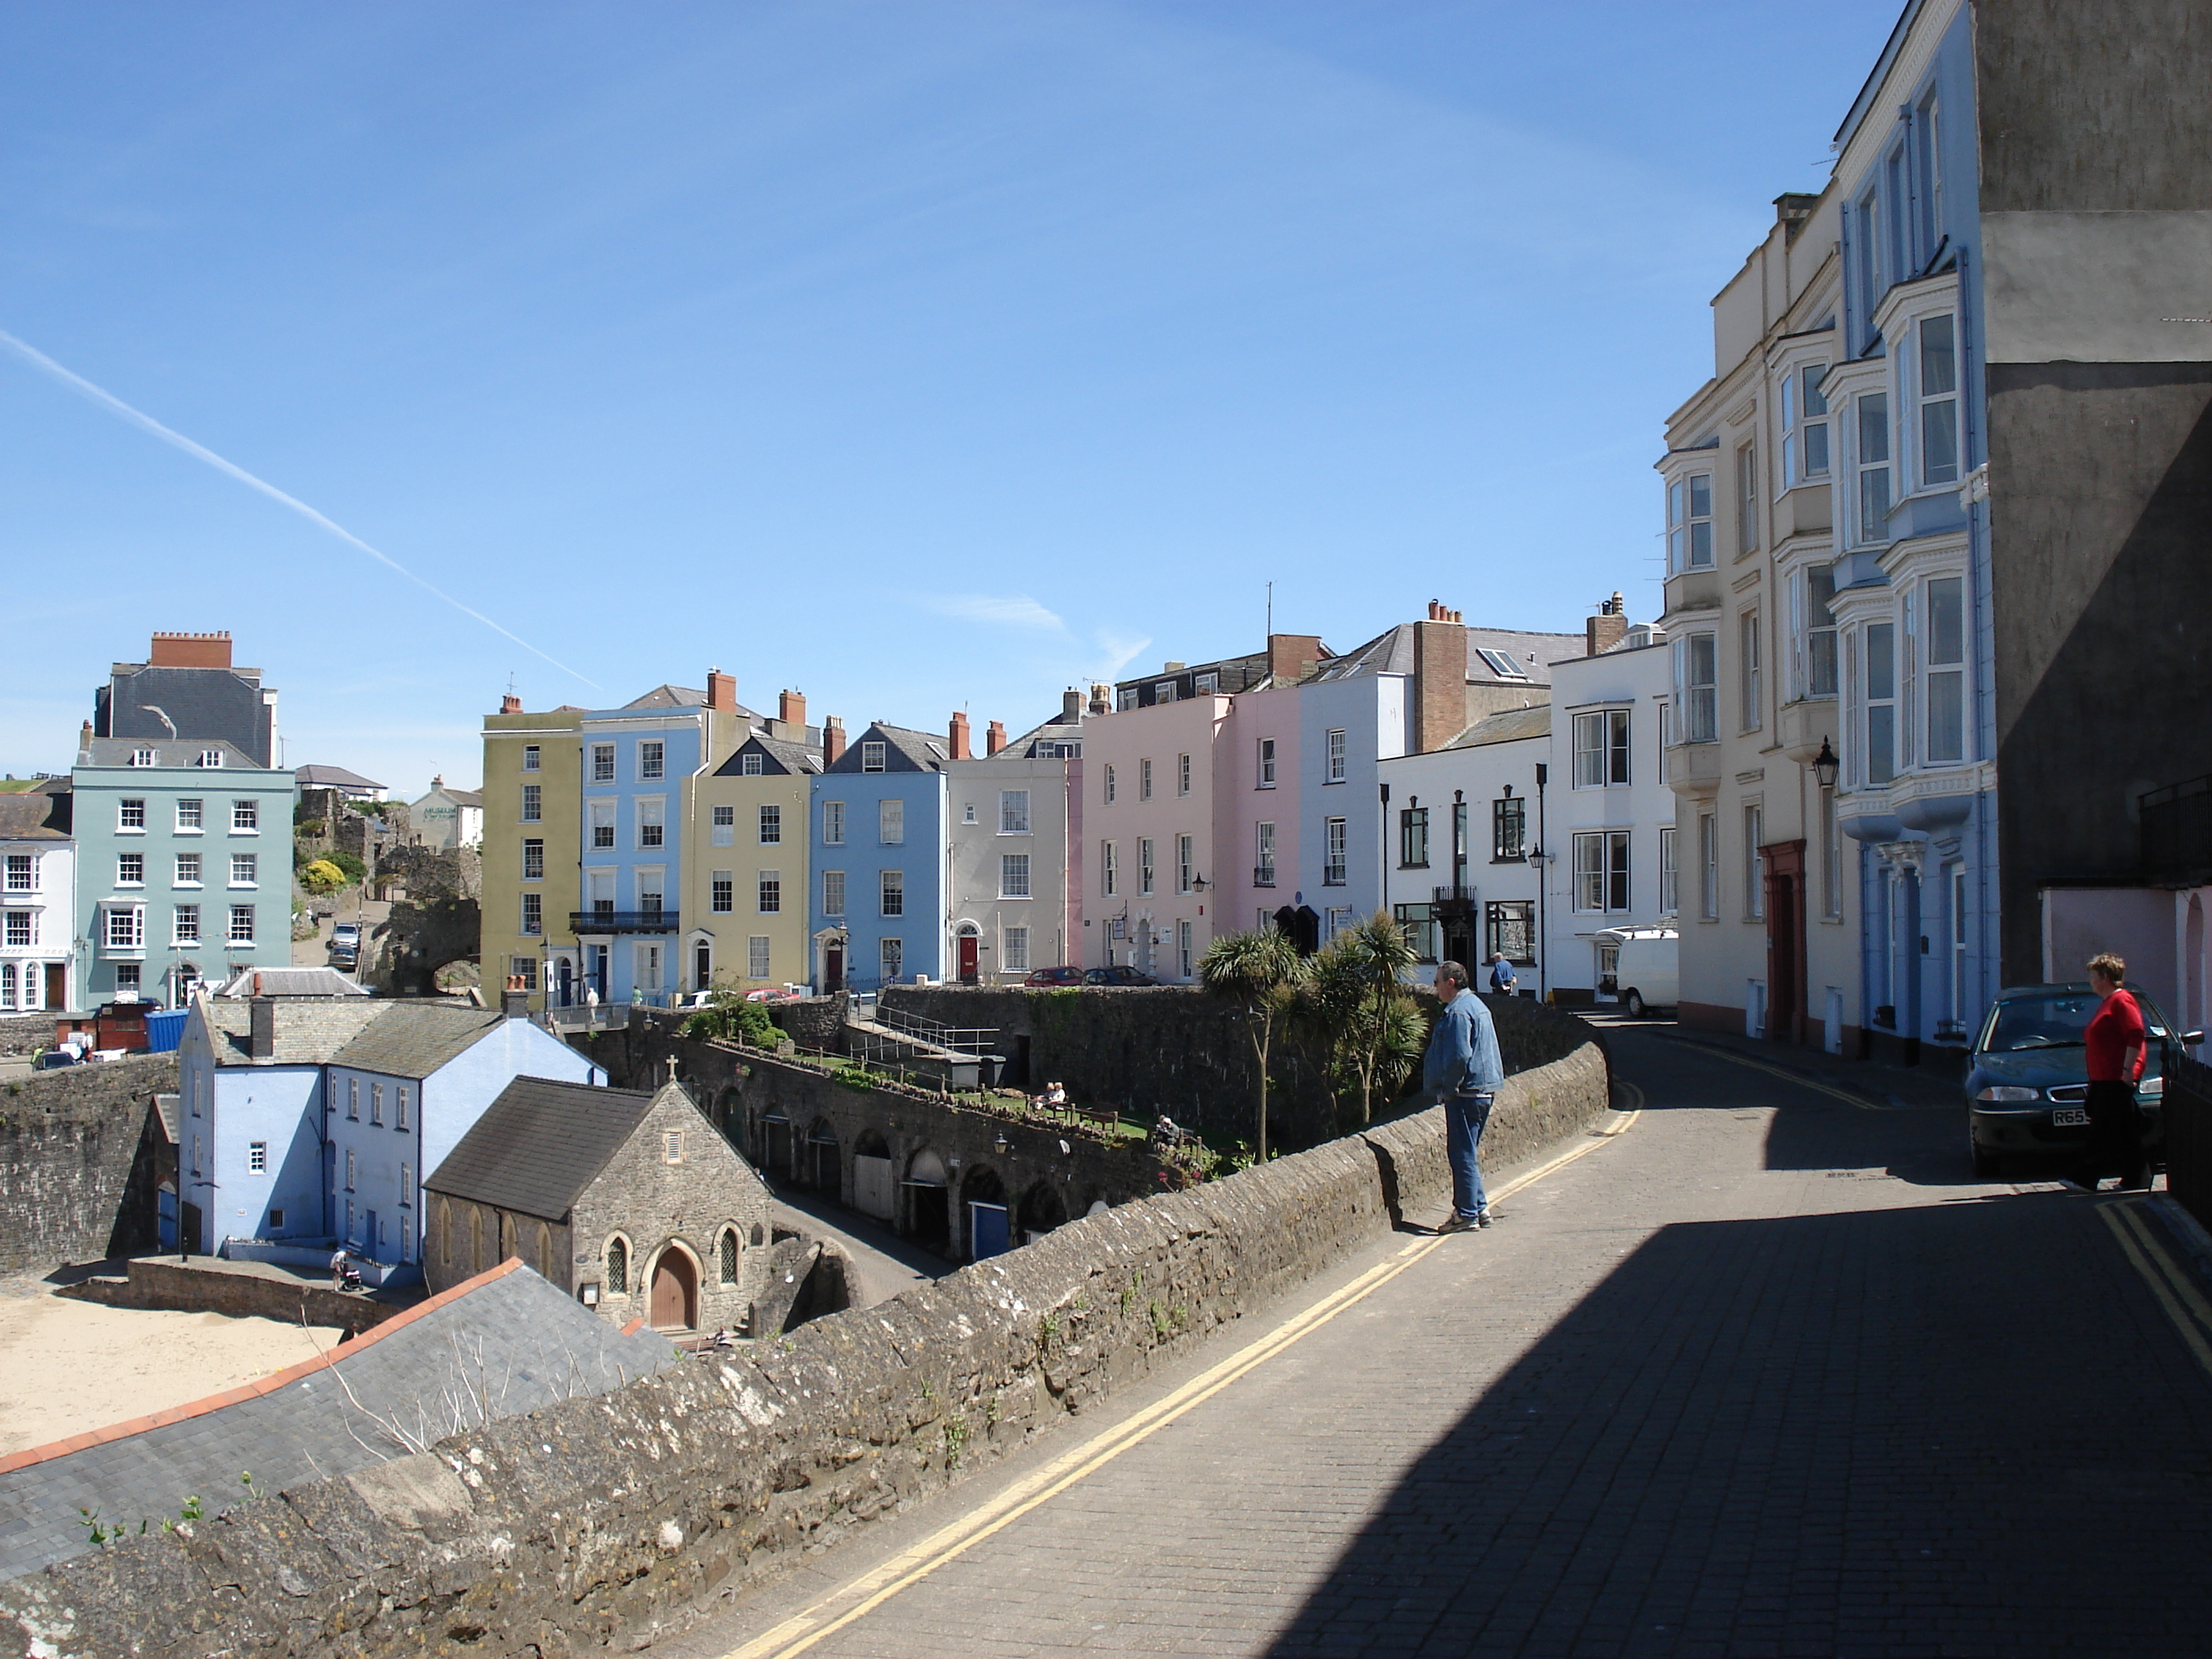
(1503, 979)
(2114, 1047)
(1463, 1071)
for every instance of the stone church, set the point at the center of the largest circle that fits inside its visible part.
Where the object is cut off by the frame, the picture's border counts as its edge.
(630, 1201)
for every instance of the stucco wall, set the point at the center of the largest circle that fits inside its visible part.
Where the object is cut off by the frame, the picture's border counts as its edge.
(681, 1489)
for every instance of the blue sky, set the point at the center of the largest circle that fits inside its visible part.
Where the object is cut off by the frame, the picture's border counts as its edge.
(916, 356)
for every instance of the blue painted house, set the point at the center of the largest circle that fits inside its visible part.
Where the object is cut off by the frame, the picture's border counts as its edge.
(880, 847)
(309, 1120)
(641, 766)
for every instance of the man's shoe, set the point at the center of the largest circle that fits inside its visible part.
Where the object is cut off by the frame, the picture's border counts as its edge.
(1484, 1219)
(1461, 1223)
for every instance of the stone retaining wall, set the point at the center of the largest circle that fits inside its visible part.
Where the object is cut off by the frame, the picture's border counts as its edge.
(617, 1519)
(81, 1154)
(167, 1284)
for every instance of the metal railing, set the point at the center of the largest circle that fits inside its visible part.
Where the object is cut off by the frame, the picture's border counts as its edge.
(1263, 875)
(960, 1039)
(622, 922)
(1459, 892)
(1333, 875)
(598, 1016)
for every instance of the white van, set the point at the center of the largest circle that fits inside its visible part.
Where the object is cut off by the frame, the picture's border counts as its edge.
(1637, 967)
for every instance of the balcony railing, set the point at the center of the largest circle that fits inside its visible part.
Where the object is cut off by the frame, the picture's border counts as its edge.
(1263, 875)
(621, 921)
(1460, 892)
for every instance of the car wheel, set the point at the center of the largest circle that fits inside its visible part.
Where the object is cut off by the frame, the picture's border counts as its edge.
(1636, 1004)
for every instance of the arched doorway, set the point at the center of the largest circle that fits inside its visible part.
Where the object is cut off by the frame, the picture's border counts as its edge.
(984, 1229)
(1042, 1209)
(674, 1305)
(968, 943)
(929, 1216)
(729, 1116)
(874, 1191)
(830, 950)
(822, 1167)
(1141, 959)
(773, 1155)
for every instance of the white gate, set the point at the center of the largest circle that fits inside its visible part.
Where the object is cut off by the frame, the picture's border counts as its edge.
(874, 1192)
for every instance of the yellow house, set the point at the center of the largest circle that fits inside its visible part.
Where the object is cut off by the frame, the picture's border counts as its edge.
(744, 904)
(532, 800)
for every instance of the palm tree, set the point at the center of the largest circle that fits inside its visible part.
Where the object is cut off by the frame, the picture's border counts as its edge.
(1358, 1012)
(1262, 972)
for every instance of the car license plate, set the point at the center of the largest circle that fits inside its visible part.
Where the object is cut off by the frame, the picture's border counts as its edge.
(2067, 1116)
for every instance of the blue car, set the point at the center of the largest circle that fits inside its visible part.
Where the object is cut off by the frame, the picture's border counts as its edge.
(2027, 1079)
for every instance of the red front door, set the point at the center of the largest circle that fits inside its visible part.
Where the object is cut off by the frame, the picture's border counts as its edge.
(968, 944)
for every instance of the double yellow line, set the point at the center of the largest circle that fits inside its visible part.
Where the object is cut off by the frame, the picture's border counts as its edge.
(855, 1600)
(2174, 1287)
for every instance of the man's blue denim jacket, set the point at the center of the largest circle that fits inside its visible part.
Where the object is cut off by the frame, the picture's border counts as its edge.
(1462, 1057)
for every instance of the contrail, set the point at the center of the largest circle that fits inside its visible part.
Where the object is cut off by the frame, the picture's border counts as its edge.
(114, 405)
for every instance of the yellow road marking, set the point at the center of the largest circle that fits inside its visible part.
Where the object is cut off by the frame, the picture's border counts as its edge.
(1802, 1082)
(803, 1630)
(2164, 1279)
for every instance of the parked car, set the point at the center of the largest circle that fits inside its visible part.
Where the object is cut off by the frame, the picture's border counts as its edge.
(1055, 977)
(2027, 1078)
(1117, 975)
(1644, 971)
(345, 943)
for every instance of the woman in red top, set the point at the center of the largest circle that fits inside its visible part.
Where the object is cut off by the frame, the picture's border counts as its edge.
(2114, 1043)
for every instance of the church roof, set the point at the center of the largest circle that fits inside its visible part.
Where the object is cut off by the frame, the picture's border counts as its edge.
(540, 1144)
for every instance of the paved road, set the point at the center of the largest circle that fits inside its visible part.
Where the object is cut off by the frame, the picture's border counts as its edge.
(884, 1264)
(1769, 1374)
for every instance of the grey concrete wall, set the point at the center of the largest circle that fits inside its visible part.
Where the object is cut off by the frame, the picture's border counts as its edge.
(167, 1284)
(79, 1162)
(658, 1499)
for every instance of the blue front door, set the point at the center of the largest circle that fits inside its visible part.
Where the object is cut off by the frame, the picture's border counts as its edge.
(989, 1225)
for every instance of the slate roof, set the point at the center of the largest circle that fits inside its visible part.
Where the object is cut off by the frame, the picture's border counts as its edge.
(332, 777)
(1507, 726)
(167, 751)
(534, 1344)
(922, 751)
(291, 982)
(669, 697)
(39, 814)
(794, 758)
(1391, 652)
(466, 798)
(399, 1038)
(539, 1145)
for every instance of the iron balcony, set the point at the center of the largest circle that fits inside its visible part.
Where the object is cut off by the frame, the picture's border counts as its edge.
(621, 921)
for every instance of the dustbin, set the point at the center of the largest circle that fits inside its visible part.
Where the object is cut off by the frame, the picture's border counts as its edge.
(987, 1068)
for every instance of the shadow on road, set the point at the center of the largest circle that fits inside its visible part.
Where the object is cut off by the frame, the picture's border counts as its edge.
(1956, 1428)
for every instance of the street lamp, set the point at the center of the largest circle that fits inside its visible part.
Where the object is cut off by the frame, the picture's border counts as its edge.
(1825, 766)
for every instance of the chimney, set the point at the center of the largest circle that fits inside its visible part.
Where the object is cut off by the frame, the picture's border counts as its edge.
(1792, 210)
(1102, 697)
(791, 711)
(261, 1042)
(1606, 629)
(995, 738)
(84, 745)
(721, 690)
(1439, 679)
(1291, 657)
(958, 735)
(510, 704)
(190, 651)
(833, 739)
(514, 1000)
(1171, 666)
(1071, 707)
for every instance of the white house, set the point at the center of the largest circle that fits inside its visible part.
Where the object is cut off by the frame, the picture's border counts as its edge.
(38, 897)
(312, 1119)
(448, 817)
(1011, 904)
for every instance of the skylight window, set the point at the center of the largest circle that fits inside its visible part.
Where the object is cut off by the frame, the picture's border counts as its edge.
(1502, 666)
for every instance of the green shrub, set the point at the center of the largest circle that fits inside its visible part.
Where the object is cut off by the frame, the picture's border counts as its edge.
(322, 877)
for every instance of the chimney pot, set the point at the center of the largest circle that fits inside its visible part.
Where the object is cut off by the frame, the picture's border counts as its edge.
(833, 739)
(1102, 697)
(995, 738)
(261, 1038)
(510, 704)
(1606, 629)
(514, 1000)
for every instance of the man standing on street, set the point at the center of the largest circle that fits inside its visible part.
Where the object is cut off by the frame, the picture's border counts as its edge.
(1462, 1070)
(1503, 979)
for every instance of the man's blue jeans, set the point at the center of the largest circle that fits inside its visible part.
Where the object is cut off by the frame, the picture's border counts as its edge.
(1466, 1117)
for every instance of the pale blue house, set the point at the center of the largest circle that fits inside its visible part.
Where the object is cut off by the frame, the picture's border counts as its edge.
(880, 849)
(312, 1119)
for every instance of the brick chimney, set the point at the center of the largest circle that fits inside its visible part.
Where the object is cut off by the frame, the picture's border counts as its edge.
(994, 740)
(1606, 629)
(1293, 656)
(510, 704)
(721, 690)
(959, 736)
(190, 651)
(1439, 679)
(791, 716)
(833, 739)
(1102, 697)
(1071, 707)
(261, 1033)
(514, 1000)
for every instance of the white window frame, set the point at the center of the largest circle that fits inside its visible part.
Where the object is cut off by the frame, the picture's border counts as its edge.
(1602, 874)
(873, 755)
(890, 892)
(130, 815)
(1145, 868)
(770, 824)
(1689, 522)
(1709, 867)
(1014, 811)
(1109, 872)
(191, 815)
(722, 825)
(1697, 685)
(652, 760)
(240, 928)
(1669, 874)
(722, 893)
(833, 823)
(1144, 777)
(1184, 864)
(1014, 949)
(245, 870)
(757, 956)
(603, 763)
(1754, 861)
(833, 893)
(767, 892)
(1263, 855)
(1750, 652)
(1266, 763)
(1333, 751)
(1183, 775)
(652, 821)
(1807, 438)
(1106, 783)
(599, 822)
(891, 822)
(1013, 875)
(246, 817)
(1335, 857)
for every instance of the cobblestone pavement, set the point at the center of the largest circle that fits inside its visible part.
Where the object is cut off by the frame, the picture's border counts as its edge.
(1770, 1374)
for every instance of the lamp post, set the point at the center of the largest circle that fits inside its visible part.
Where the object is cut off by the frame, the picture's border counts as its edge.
(1826, 766)
(1539, 857)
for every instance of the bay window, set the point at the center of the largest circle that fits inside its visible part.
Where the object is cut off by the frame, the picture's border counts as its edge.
(1600, 748)
(1938, 400)
(1601, 871)
(1878, 745)
(1874, 466)
(1811, 632)
(1690, 523)
(1947, 660)
(1804, 425)
(1696, 687)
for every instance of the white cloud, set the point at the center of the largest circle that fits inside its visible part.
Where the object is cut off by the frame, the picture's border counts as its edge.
(1008, 609)
(1121, 651)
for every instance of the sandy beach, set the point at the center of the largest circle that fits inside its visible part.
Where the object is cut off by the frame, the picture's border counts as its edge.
(68, 1366)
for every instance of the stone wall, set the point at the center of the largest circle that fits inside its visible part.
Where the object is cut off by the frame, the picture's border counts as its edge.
(813, 1022)
(166, 1284)
(81, 1156)
(655, 1501)
(25, 1034)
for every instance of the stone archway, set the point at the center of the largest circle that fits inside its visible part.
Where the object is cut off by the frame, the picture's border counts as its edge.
(1042, 1209)
(984, 1229)
(928, 1201)
(673, 1302)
